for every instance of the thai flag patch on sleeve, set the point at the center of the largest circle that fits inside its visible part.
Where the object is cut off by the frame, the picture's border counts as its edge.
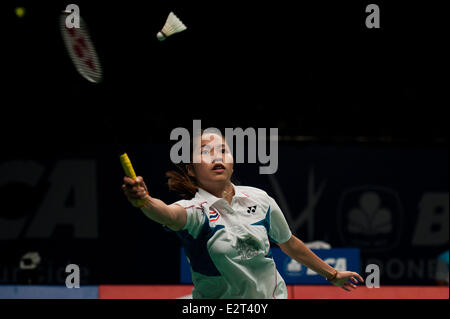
(213, 216)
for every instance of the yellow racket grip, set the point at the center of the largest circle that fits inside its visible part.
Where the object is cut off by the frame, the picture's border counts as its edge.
(127, 167)
(129, 171)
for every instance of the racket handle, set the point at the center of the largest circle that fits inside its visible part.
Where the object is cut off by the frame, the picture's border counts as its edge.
(127, 167)
(129, 171)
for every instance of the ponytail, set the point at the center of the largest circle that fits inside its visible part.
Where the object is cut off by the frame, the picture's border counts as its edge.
(184, 185)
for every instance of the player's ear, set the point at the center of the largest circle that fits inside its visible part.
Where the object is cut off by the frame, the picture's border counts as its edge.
(190, 170)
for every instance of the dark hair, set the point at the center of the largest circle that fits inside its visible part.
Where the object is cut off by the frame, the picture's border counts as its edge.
(180, 182)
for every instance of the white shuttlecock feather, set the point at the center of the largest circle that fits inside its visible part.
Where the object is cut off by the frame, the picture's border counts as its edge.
(173, 25)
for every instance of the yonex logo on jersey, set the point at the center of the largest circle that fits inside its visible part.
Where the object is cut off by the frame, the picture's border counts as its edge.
(251, 209)
(213, 216)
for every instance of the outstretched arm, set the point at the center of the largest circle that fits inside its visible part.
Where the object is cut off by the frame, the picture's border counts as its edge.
(298, 251)
(171, 216)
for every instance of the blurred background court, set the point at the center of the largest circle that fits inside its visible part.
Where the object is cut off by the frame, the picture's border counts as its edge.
(363, 151)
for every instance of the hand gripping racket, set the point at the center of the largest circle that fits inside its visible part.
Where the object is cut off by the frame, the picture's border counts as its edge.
(129, 171)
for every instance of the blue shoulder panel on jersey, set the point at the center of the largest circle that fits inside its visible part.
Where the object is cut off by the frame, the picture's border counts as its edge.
(266, 223)
(197, 251)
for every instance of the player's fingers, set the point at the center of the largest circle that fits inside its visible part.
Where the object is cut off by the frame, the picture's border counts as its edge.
(135, 188)
(137, 193)
(142, 193)
(361, 279)
(129, 194)
(129, 181)
(354, 280)
(140, 181)
(351, 285)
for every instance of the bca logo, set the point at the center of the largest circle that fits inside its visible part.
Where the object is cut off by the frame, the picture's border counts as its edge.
(294, 268)
(370, 218)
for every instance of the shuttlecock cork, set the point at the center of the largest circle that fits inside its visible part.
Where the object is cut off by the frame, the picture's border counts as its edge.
(173, 25)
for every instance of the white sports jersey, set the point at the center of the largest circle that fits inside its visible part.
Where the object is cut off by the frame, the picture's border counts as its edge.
(228, 245)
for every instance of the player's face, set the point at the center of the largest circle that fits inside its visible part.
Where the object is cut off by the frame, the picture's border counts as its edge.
(215, 159)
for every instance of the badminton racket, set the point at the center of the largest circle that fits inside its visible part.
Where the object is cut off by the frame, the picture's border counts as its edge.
(81, 50)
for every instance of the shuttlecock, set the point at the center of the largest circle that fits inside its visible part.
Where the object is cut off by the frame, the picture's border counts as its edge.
(173, 25)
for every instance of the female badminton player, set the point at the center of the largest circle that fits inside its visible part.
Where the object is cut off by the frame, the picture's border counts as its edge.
(226, 229)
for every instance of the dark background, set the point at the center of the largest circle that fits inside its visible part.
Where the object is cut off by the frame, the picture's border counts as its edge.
(311, 69)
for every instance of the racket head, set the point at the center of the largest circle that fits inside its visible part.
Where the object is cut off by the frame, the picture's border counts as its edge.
(81, 49)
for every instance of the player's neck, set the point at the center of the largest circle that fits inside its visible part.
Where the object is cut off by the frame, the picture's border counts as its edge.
(225, 191)
(228, 193)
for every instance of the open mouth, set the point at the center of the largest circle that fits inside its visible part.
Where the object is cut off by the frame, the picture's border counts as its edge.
(218, 167)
